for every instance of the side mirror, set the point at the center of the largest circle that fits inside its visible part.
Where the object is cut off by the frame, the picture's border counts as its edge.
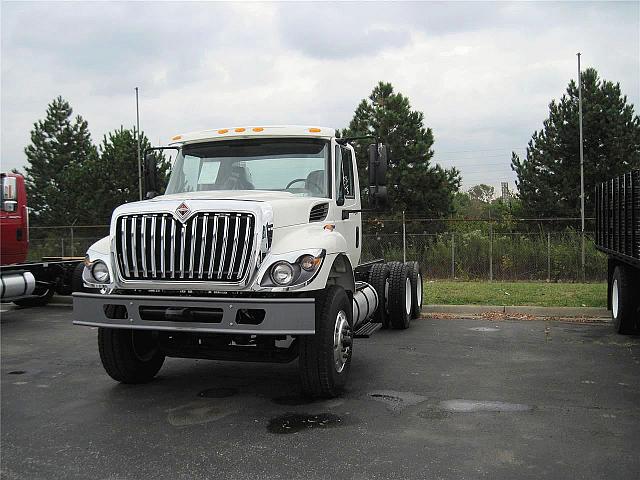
(150, 175)
(378, 162)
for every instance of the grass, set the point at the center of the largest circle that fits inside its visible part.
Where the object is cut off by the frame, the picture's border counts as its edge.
(540, 294)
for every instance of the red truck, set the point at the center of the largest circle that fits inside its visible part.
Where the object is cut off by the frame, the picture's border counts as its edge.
(21, 282)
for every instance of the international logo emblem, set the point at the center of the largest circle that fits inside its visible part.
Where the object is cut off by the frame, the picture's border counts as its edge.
(182, 212)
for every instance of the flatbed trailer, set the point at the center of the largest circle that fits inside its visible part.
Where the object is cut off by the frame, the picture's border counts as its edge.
(618, 235)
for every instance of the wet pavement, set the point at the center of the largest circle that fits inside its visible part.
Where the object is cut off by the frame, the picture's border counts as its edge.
(444, 399)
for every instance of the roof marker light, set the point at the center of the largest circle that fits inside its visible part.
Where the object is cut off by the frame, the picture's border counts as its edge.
(224, 130)
(177, 137)
(240, 129)
(258, 129)
(315, 130)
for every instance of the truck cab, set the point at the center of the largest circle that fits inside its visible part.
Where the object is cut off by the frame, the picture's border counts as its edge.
(14, 219)
(252, 253)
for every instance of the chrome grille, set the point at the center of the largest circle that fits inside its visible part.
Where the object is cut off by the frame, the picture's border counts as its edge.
(208, 246)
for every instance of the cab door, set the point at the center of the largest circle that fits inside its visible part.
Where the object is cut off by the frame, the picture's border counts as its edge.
(347, 188)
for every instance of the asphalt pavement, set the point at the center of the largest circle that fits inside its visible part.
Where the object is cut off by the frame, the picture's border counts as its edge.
(450, 399)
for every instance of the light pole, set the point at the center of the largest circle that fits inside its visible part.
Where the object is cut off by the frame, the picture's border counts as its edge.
(138, 138)
(581, 160)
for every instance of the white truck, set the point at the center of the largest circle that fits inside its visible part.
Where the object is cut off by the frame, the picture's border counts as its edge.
(252, 254)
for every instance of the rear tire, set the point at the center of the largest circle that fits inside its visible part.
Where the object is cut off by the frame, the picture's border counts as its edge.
(415, 275)
(77, 284)
(400, 298)
(379, 280)
(325, 357)
(130, 356)
(624, 301)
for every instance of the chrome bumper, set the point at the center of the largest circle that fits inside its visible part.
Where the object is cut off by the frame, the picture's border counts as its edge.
(282, 316)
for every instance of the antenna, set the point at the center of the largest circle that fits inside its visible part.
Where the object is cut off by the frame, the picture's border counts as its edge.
(138, 138)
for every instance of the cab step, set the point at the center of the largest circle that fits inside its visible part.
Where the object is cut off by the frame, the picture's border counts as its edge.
(368, 329)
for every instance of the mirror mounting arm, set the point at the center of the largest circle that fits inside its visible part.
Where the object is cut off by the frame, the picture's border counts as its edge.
(347, 212)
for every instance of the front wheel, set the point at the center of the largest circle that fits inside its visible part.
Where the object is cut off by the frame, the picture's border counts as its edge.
(130, 356)
(325, 357)
(624, 303)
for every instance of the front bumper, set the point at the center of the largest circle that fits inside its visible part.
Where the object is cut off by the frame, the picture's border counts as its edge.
(282, 316)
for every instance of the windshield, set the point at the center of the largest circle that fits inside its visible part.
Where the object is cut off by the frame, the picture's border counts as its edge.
(298, 166)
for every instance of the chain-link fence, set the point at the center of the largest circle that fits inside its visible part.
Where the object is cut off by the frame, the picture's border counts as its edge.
(528, 249)
(64, 241)
(479, 250)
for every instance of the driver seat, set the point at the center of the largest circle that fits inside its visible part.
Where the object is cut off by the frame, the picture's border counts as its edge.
(315, 183)
(238, 179)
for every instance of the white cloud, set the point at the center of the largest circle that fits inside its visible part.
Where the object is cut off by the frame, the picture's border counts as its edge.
(482, 73)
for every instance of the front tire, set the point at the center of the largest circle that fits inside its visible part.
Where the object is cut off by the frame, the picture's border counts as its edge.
(400, 297)
(130, 356)
(325, 357)
(624, 302)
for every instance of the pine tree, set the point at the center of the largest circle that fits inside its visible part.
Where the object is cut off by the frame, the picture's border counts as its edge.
(116, 171)
(549, 176)
(58, 156)
(414, 184)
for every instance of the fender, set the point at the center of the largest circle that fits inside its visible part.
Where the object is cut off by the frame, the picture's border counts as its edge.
(311, 235)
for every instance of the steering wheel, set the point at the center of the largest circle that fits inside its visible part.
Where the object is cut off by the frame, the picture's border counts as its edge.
(294, 181)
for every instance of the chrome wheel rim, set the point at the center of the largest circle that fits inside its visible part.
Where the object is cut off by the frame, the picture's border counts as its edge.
(407, 296)
(386, 295)
(341, 341)
(614, 299)
(419, 291)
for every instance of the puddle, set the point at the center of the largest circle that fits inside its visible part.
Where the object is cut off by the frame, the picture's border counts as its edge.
(485, 329)
(292, 400)
(397, 401)
(17, 372)
(196, 414)
(482, 406)
(296, 422)
(434, 414)
(221, 392)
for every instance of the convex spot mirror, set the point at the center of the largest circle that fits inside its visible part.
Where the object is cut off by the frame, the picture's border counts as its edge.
(10, 206)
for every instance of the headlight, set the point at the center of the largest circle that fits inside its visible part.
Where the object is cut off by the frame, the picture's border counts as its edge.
(100, 272)
(282, 273)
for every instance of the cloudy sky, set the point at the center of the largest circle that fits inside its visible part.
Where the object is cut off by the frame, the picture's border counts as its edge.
(482, 73)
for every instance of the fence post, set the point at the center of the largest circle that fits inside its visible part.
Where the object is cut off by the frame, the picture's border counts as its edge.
(62, 243)
(404, 239)
(490, 252)
(72, 248)
(548, 256)
(584, 272)
(453, 255)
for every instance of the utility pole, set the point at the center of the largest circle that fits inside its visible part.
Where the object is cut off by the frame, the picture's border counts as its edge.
(404, 239)
(581, 161)
(138, 137)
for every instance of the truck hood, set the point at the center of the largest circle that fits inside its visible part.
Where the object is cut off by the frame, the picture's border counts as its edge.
(285, 209)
